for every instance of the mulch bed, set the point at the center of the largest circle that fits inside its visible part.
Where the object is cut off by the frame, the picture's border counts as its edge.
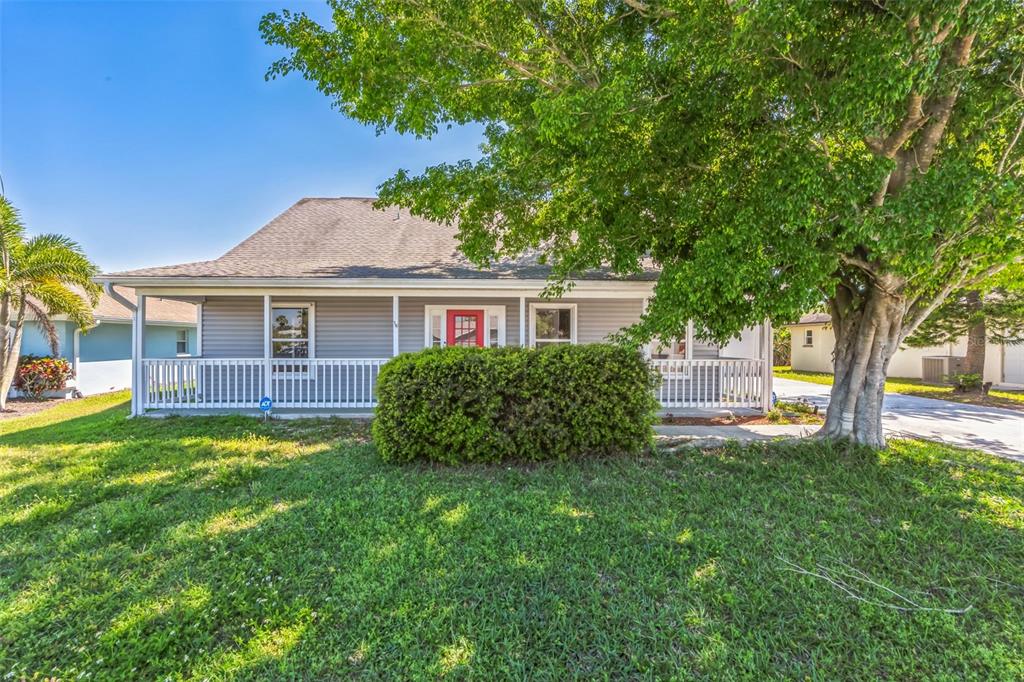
(722, 420)
(19, 407)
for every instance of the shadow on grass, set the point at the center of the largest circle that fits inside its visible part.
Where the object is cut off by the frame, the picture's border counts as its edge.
(224, 546)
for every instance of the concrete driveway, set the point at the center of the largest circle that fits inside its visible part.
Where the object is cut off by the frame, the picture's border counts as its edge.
(992, 429)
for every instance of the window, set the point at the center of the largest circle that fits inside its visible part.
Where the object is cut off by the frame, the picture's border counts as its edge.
(291, 331)
(436, 327)
(552, 323)
(676, 350)
(181, 342)
(809, 338)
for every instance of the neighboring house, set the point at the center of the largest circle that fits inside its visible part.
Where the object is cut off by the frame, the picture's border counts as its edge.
(306, 311)
(813, 340)
(102, 355)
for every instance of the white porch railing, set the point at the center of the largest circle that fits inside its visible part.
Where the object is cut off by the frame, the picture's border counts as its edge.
(208, 383)
(710, 384)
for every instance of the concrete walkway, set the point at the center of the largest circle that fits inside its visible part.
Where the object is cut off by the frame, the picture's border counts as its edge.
(992, 429)
(738, 432)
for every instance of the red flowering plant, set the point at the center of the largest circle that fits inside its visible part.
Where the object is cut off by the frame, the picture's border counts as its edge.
(37, 375)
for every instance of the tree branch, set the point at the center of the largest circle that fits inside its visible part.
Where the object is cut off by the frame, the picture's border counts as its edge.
(645, 10)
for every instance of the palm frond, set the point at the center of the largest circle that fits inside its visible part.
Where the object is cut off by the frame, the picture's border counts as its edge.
(46, 324)
(58, 299)
(12, 233)
(56, 257)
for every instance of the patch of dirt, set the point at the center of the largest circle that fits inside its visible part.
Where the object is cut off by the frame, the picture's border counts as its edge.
(19, 407)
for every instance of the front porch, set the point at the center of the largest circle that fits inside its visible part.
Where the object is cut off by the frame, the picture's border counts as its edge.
(236, 377)
(331, 385)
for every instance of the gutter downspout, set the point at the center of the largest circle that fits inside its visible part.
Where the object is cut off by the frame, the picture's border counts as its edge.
(108, 287)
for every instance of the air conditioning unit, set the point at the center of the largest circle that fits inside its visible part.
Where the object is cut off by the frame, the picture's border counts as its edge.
(937, 369)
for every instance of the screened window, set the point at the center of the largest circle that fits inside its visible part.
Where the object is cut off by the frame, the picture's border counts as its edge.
(554, 324)
(181, 342)
(289, 331)
(809, 337)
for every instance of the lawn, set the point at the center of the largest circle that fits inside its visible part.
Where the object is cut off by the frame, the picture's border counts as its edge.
(1013, 400)
(224, 547)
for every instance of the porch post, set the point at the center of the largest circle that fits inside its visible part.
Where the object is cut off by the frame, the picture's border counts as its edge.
(199, 330)
(767, 351)
(394, 326)
(138, 353)
(522, 322)
(646, 350)
(268, 384)
(689, 339)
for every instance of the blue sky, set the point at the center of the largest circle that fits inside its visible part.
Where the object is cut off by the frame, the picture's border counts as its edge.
(146, 131)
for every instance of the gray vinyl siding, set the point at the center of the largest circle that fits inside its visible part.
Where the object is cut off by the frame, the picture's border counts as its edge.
(354, 327)
(233, 327)
(361, 327)
(597, 319)
(703, 350)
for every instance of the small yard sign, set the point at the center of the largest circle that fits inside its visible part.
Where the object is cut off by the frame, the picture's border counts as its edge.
(266, 403)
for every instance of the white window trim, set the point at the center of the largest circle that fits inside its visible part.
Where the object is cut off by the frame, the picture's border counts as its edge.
(548, 306)
(311, 306)
(442, 310)
(177, 340)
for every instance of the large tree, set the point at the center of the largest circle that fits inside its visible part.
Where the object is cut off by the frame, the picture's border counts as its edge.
(46, 275)
(764, 155)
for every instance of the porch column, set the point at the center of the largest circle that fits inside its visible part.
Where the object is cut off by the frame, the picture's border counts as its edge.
(268, 385)
(767, 350)
(522, 322)
(689, 339)
(138, 353)
(199, 330)
(646, 350)
(394, 326)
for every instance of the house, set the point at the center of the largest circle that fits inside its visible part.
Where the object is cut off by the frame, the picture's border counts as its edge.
(307, 309)
(813, 339)
(101, 356)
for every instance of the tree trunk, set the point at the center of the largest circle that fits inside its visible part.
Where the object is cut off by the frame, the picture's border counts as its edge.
(976, 333)
(9, 355)
(866, 339)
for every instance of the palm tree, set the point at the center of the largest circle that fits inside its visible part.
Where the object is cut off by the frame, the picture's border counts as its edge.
(47, 275)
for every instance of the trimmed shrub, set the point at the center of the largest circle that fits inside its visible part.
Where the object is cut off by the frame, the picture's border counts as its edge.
(462, 404)
(37, 375)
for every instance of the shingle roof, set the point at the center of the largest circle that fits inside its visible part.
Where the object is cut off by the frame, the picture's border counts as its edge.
(348, 238)
(815, 318)
(157, 309)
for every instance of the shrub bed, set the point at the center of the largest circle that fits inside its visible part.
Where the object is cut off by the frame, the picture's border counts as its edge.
(37, 375)
(489, 404)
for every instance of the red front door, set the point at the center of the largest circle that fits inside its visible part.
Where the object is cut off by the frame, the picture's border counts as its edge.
(465, 328)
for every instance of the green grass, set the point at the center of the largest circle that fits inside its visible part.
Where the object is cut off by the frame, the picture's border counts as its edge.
(227, 548)
(1008, 399)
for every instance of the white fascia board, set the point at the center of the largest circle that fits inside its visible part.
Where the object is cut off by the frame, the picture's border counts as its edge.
(585, 289)
(197, 286)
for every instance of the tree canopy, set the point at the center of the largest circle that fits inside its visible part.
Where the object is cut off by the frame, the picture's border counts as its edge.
(764, 155)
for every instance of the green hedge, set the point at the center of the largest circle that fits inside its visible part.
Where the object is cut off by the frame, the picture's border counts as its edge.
(489, 404)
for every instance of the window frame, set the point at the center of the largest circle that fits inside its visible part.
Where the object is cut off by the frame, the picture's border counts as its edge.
(573, 316)
(430, 310)
(178, 333)
(310, 340)
(808, 338)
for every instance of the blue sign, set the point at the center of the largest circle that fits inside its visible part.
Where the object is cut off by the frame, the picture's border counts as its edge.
(266, 403)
